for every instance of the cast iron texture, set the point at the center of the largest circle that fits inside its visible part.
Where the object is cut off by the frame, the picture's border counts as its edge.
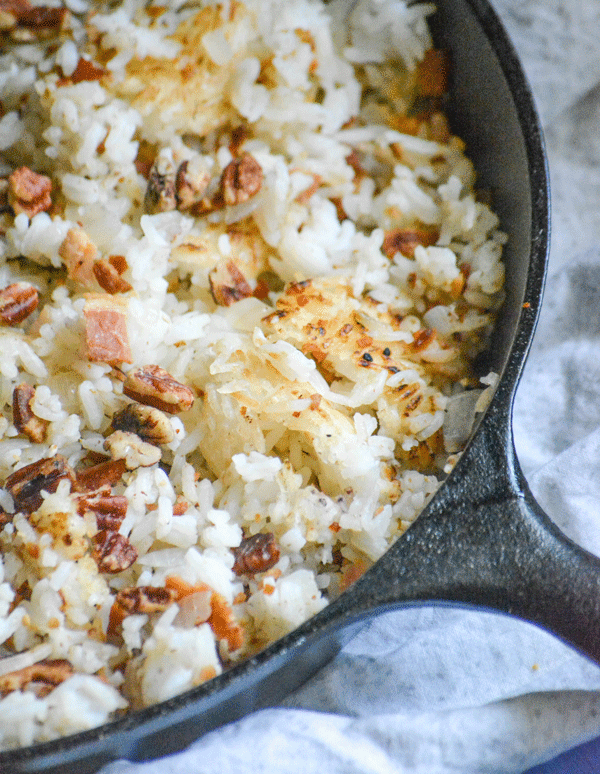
(482, 541)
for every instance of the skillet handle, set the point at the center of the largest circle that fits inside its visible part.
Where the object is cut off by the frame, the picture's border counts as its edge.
(484, 541)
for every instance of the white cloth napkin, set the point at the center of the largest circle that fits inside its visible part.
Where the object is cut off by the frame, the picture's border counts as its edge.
(444, 691)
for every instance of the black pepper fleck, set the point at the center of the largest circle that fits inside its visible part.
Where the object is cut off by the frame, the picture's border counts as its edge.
(387, 352)
(367, 357)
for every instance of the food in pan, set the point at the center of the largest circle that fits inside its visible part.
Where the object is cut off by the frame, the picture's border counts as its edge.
(244, 276)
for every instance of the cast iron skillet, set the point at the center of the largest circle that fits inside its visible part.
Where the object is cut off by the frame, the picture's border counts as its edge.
(482, 541)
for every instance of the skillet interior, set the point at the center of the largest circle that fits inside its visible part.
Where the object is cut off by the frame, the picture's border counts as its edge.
(492, 110)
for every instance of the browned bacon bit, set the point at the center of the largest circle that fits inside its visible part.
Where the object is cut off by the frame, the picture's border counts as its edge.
(153, 386)
(106, 336)
(29, 192)
(160, 192)
(228, 284)
(256, 554)
(17, 302)
(24, 419)
(78, 254)
(27, 483)
(109, 278)
(223, 623)
(113, 552)
(104, 474)
(86, 71)
(405, 240)
(138, 599)
(222, 620)
(49, 673)
(149, 423)
(241, 179)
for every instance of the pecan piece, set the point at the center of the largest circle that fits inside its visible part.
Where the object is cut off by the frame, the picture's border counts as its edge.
(160, 192)
(131, 448)
(119, 263)
(105, 474)
(153, 386)
(17, 302)
(113, 552)
(23, 417)
(29, 192)
(109, 510)
(256, 554)
(190, 185)
(5, 518)
(106, 337)
(49, 673)
(149, 423)
(109, 278)
(138, 599)
(241, 179)
(27, 483)
(228, 284)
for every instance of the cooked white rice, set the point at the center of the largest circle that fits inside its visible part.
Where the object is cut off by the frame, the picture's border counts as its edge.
(232, 190)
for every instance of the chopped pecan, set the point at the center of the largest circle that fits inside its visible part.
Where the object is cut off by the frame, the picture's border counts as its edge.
(113, 552)
(5, 518)
(78, 253)
(29, 192)
(49, 673)
(227, 283)
(138, 599)
(119, 263)
(17, 302)
(27, 483)
(149, 423)
(106, 335)
(241, 179)
(145, 599)
(190, 185)
(105, 474)
(160, 192)
(154, 386)
(131, 448)
(256, 554)
(405, 240)
(109, 510)
(23, 417)
(109, 278)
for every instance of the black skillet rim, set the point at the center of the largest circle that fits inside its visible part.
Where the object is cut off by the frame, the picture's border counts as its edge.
(160, 717)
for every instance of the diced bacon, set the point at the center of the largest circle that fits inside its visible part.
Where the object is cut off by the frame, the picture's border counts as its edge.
(106, 338)
(79, 253)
